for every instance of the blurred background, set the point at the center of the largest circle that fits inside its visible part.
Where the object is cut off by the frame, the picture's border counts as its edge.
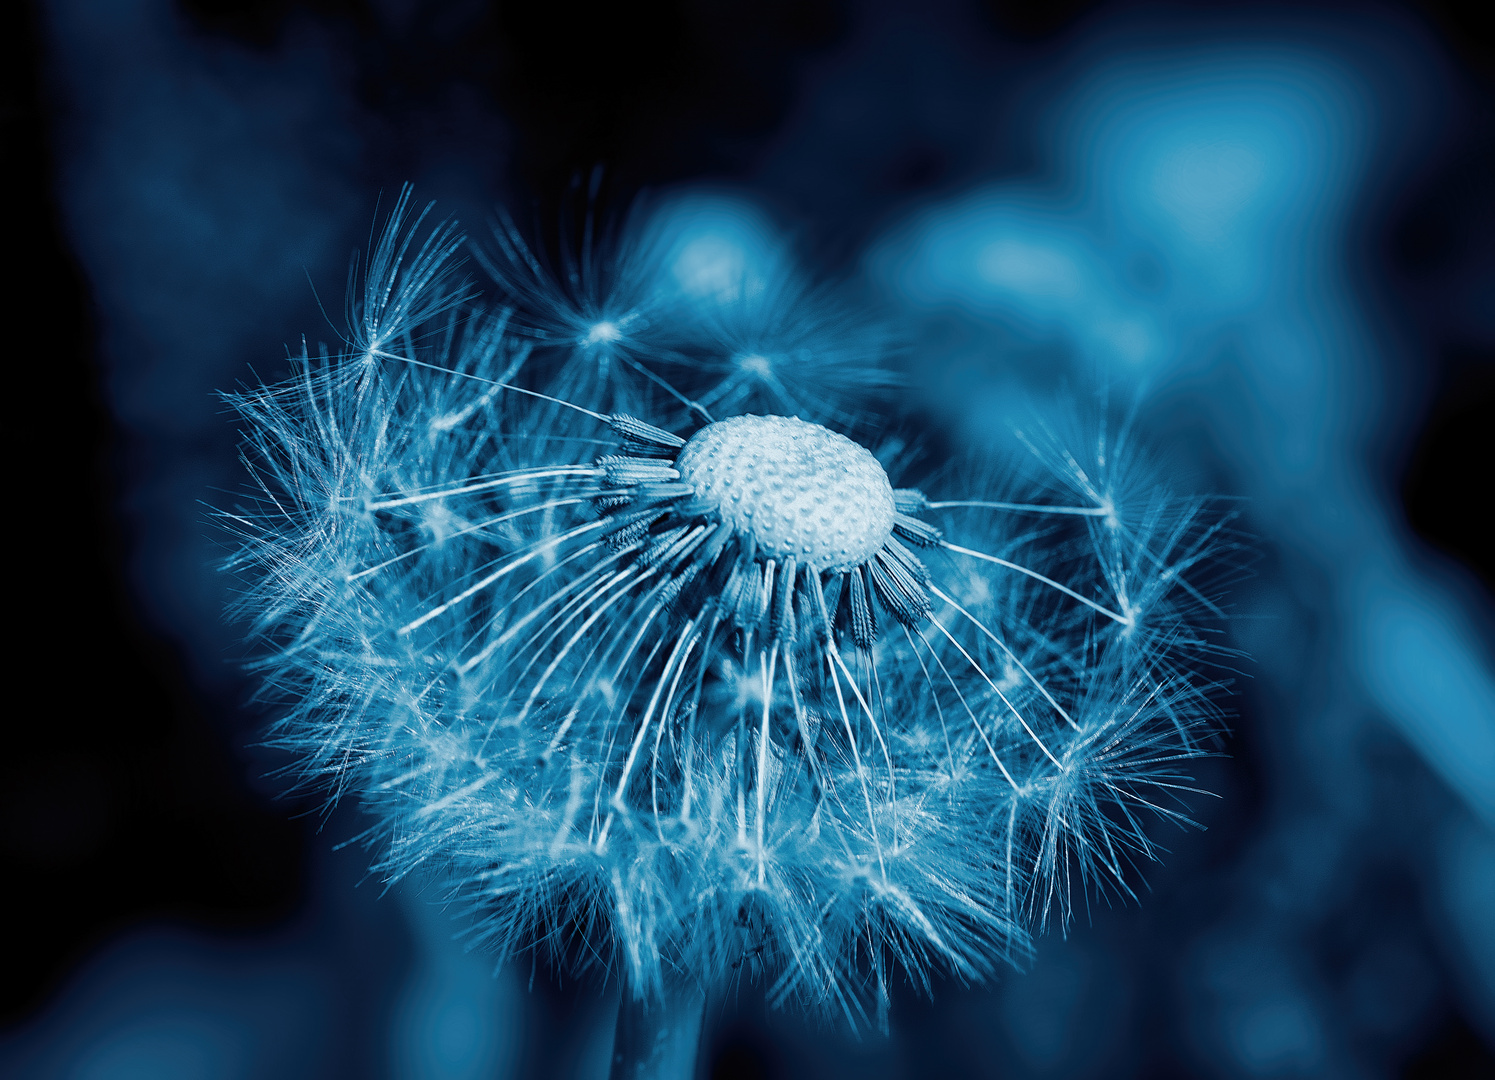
(1272, 228)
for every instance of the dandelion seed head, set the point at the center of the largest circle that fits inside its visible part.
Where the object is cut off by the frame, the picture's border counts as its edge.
(703, 693)
(800, 490)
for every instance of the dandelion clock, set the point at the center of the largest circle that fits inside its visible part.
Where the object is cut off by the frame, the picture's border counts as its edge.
(670, 651)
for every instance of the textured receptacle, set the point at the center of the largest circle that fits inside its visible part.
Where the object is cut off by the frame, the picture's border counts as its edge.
(798, 489)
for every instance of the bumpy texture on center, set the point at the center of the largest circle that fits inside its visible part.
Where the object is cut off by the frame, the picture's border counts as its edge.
(797, 488)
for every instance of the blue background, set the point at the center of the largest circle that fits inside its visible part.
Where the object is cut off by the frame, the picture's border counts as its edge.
(1271, 227)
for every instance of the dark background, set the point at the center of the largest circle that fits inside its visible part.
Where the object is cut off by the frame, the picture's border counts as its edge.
(131, 792)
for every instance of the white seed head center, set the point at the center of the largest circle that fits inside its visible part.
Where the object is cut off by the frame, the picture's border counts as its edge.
(797, 488)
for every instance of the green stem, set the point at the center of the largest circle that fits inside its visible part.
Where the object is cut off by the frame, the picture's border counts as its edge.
(658, 1037)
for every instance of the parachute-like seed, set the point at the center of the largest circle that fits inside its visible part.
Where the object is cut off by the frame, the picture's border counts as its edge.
(694, 300)
(721, 699)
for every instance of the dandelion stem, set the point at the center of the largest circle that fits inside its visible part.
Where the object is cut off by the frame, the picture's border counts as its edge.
(657, 1037)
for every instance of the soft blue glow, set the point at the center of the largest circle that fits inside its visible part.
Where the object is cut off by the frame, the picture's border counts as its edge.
(716, 249)
(1186, 189)
(1016, 258)
(1236, 162)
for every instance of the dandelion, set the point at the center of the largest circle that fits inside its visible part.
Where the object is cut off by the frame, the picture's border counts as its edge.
(698, 695)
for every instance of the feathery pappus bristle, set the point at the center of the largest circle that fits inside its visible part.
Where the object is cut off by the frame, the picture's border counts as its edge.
(701, 692)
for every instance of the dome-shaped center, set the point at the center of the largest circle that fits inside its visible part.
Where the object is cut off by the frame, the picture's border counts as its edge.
(797, 488)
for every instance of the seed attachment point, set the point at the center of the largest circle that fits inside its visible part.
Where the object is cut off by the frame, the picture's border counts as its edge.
(800, 490)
